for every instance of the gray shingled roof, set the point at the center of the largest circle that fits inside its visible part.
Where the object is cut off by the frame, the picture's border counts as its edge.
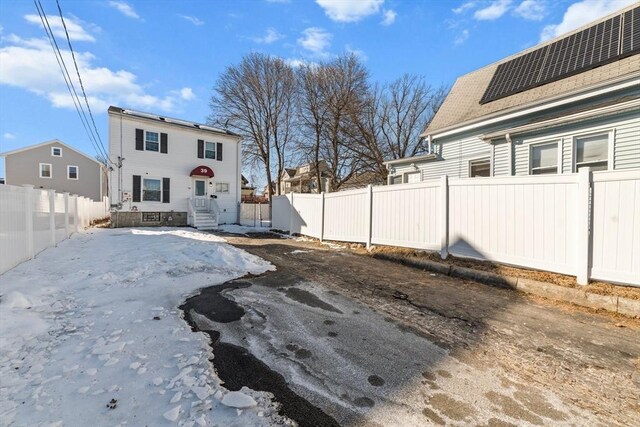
(462, 105)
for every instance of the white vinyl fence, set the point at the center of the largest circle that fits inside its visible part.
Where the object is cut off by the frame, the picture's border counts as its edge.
(32, 220)
(255, 214)
(585, 224)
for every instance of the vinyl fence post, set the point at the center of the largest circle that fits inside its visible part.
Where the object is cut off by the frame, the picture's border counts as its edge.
(76, 218)
(28, 218)
(369, 214)
(583, 244)
(52, 216)
(66, 215)
(291, 211)
(322, 217)
(444, 216)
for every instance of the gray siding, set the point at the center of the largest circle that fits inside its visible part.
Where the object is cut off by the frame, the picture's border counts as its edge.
(627, 145)
(24, 168)
(501, 158)
(455, 158)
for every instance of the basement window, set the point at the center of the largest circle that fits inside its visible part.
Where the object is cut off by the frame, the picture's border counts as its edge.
(150, 216)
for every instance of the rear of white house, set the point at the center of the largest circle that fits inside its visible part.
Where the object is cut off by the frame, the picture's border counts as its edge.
(172, 172)
(551, 109)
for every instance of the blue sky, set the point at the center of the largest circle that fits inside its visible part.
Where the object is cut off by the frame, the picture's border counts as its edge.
(164, 56)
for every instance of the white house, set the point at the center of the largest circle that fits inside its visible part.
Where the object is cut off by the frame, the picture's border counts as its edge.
(172, 172)
(564, 104)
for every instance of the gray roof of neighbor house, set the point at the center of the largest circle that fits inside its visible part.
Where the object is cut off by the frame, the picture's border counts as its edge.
(462, 105)
(170, 120)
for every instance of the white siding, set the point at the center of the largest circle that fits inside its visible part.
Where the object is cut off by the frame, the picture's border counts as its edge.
(181, 159)
(501, 158)
(627, 145)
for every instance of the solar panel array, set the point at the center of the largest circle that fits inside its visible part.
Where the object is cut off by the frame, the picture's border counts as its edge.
(597, 45)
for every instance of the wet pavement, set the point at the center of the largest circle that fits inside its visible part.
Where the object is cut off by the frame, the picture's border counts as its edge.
(341, 338)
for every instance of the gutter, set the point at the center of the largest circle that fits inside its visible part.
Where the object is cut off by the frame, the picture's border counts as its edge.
(620, 83)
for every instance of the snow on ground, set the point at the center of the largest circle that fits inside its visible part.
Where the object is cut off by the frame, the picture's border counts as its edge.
(90, 332)
(242, 229)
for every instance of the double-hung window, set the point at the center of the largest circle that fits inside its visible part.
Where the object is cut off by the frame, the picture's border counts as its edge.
(151, 141)
(210, 150)
(593, 152)
(543, 159)
(151, 190)
(45, 170)
(56, 151)
(479, 167)
(72, 172)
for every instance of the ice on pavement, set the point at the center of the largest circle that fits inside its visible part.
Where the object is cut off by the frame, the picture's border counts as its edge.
(237, 399)
(90, 332)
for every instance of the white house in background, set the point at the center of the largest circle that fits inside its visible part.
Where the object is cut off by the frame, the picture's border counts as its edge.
(568, 103)
(172, 172)
(55, 165)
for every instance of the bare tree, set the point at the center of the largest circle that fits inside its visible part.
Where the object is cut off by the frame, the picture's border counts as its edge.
(255, 98)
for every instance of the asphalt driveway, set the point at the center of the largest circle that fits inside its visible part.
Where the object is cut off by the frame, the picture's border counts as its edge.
(341, 338)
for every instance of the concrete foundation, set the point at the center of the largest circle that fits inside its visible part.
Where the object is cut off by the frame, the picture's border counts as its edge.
(148, 219)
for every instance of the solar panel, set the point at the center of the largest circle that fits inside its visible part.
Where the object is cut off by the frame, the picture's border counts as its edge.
(597, 45)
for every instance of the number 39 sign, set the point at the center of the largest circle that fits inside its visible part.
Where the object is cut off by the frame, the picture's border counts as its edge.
(202, 171)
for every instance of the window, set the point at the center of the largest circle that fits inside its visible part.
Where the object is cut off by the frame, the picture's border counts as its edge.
(222, 187)
(543, 159)
(151, 190)
(151, 141)
(210, 150)
(72, 172)
(479, 167)
(56, 151)
(396, 179)
(200, 186)
(592, 151)
(412, 177)
(45, 170)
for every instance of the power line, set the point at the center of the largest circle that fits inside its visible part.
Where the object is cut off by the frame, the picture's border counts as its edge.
(84, 94)
(67, 78)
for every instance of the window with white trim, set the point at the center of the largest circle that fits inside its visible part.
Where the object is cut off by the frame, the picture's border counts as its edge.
(222, 187)
(543, 159)
(479, 168)
(396, 179)
(56, 151)
(72, 172)
(592, 151)
(45, 170)
(210, 150)
(152, 141)
(151, 190)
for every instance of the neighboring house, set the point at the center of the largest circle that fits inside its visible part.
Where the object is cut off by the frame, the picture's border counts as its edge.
(173, 172)
(362, 179)
(568, 103)
(302, 179)
(247, 190)
(57, 166)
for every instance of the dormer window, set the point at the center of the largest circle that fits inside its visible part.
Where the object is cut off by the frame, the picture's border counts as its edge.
(56, 151)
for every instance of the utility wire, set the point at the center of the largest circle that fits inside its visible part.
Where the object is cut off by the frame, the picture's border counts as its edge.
(67, 77)
(84, 93)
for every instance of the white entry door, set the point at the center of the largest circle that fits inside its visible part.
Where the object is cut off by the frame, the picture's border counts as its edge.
(200, 197)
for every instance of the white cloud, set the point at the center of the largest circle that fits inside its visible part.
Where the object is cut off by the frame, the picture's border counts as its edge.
(194, 20)
(124, 8)
(349, 10)
(464, 7)
(76, 32)
(389, 17)
(8, 135)
(315, 40)
(31, 65)
(357, 52)
(494, 11)
(581, 13)
(532, 10)
(461, 38)
(270, 36)
(295, 62)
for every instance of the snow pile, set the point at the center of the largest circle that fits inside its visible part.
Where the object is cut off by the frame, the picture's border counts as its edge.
(90, 332)
(242, 229)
